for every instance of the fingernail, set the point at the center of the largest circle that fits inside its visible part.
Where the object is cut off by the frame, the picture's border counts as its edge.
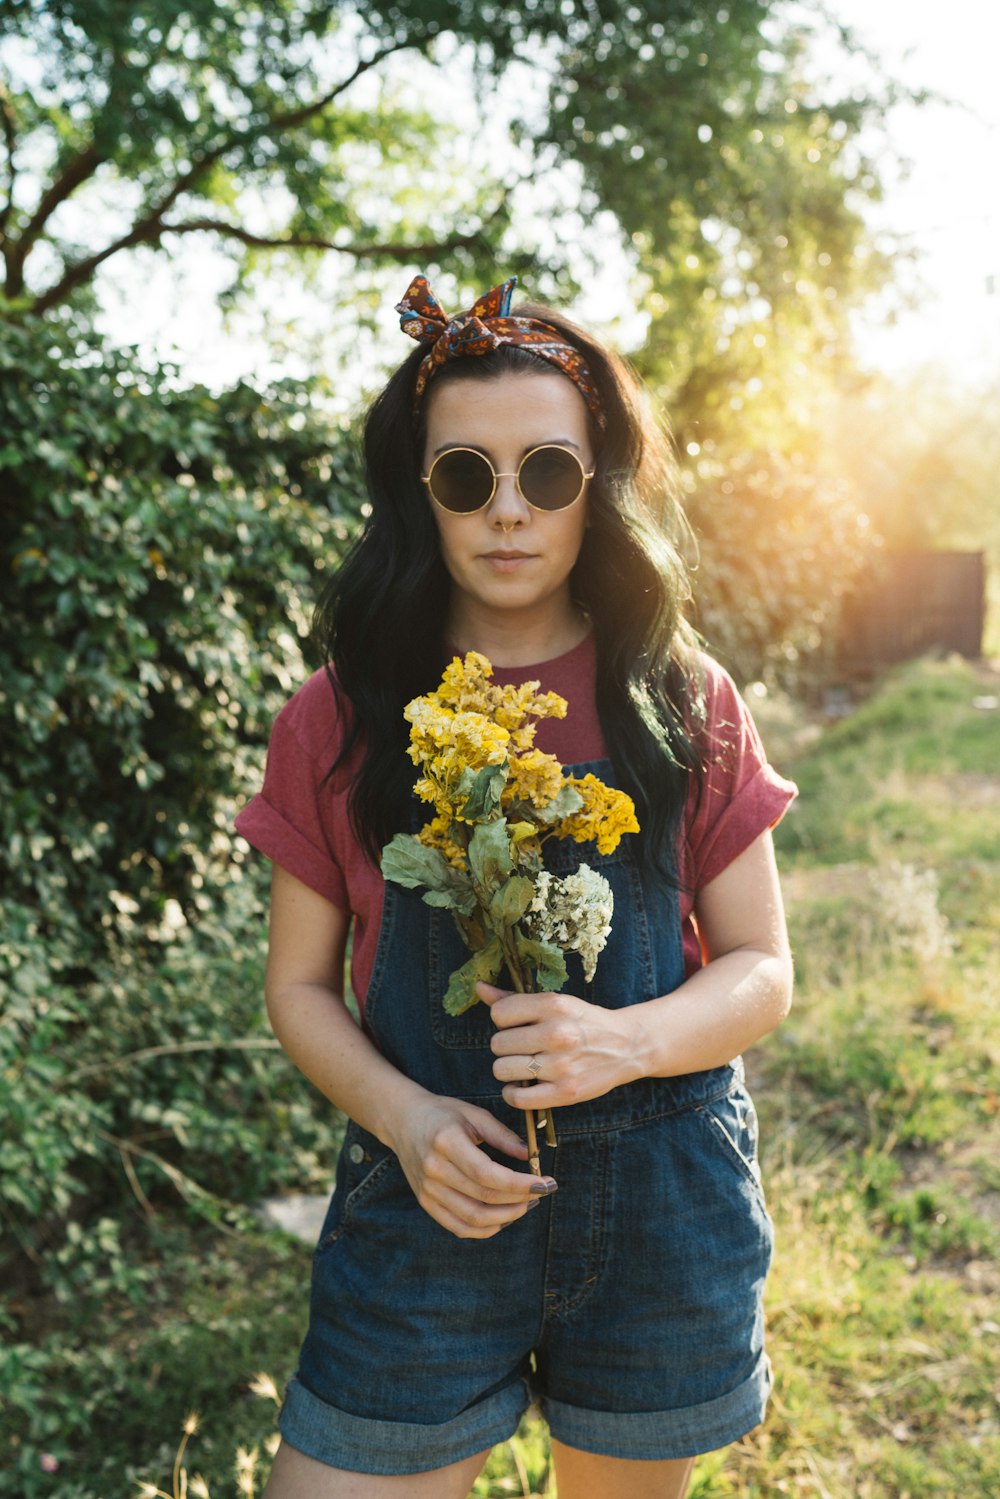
(544, 1187)
(534, 1204)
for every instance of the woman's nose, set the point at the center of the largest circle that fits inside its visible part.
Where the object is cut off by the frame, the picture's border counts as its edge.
(508, 507)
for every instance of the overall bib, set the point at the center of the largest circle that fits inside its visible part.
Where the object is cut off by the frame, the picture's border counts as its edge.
(627, 1304)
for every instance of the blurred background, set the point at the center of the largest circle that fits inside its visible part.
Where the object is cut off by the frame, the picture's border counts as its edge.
(787, 215)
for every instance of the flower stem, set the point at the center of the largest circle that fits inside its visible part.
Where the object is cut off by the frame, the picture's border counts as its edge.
(523, 979)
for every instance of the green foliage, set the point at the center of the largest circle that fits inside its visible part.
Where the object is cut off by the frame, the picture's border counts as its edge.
(903, 770)
(194, 1344)
(154, 1083)
(696, 128)
(412, 864)
(483, 967)
(159, 551)
(735, 171)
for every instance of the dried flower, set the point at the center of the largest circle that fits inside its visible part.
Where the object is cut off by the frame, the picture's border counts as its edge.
(264, 1386)
(573, 911)
(605, 816)
(246, 1470)
(496, 801)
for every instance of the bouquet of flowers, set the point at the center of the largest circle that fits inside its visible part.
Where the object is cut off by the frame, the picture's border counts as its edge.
(496, 800)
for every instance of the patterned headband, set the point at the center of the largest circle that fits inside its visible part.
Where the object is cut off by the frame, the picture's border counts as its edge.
(486, 326)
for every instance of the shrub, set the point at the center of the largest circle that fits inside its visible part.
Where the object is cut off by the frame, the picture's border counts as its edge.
(159, 548)
(778, 547)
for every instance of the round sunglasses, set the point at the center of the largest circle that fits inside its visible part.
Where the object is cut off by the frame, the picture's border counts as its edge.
(548, 478)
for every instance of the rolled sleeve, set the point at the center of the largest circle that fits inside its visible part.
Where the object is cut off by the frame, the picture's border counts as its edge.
(740, 796)
(284, 821)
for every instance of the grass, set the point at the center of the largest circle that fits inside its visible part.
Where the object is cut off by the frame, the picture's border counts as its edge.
(880, 1115)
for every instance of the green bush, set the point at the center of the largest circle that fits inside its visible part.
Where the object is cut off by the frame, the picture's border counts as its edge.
(159, 549)
(152, 1085)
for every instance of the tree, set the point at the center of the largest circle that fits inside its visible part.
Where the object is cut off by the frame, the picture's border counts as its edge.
(139, 125)
(699, 138)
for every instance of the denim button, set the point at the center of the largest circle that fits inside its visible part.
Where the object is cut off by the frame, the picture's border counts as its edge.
(356, 1154)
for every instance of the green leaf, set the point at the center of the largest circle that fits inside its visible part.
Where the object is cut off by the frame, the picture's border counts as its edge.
(408, 862)
(484, 965)
(546, 959)
(511, 901)
(482, 791)
(568, 801)
(489, 855)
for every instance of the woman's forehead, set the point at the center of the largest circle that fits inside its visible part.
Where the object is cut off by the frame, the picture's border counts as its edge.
(525, 409)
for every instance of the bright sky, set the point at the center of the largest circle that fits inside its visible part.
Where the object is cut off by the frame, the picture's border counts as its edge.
(947, 210)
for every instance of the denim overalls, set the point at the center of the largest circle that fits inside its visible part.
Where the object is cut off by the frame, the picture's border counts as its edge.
(628, 1304)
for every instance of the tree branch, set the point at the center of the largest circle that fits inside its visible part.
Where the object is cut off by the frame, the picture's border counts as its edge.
(270, 126)
(82, 166)
(299, 116)
(10, 140)
(146, 232)
(148, 229)
(389, 249)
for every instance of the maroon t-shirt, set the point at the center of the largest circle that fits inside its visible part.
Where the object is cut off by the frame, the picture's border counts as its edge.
(299, 819)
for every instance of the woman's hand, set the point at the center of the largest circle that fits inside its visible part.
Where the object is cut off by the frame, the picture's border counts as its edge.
(574, 1050)
(454, 1180)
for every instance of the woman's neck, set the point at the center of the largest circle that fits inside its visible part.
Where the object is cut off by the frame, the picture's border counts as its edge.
(512, 639)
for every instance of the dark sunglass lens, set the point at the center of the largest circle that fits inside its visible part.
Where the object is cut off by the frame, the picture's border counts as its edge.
(461, 481)
(551, 478)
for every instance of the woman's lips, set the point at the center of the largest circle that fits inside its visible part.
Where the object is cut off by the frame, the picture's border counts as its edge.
(507, 562)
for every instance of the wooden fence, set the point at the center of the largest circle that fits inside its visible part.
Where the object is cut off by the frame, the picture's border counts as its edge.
(909, 603)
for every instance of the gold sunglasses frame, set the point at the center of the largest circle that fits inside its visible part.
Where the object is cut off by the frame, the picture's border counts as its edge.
(516, 476)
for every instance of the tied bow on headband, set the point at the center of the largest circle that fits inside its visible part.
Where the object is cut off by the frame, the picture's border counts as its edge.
(486, 326)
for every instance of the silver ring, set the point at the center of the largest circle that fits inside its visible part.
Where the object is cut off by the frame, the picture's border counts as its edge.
(534, 1066)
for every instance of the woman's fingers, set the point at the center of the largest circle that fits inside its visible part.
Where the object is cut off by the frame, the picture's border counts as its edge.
(469, 1219)
(453, 1178)
(461, 1163)
(488, 1130)
(553, 1050)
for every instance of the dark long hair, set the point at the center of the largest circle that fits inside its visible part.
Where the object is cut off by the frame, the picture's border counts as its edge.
(382, 618)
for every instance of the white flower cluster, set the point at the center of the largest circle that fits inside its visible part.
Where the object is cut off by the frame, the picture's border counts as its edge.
(573, 912)
(909, 905)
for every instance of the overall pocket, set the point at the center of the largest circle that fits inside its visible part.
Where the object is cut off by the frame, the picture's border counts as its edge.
(732, 1122)
(364, 1165)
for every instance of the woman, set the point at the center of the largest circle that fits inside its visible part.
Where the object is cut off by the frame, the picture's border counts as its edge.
(518, 500)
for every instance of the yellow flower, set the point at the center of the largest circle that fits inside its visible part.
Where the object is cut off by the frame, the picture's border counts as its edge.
(605, 816)
(469, 724)
(466, 688)
(440, 737)
(465, 684)
(534, 777)
(437, 834)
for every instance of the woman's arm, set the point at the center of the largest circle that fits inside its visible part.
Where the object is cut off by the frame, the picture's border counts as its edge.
(436, 1139)
(743, 991)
